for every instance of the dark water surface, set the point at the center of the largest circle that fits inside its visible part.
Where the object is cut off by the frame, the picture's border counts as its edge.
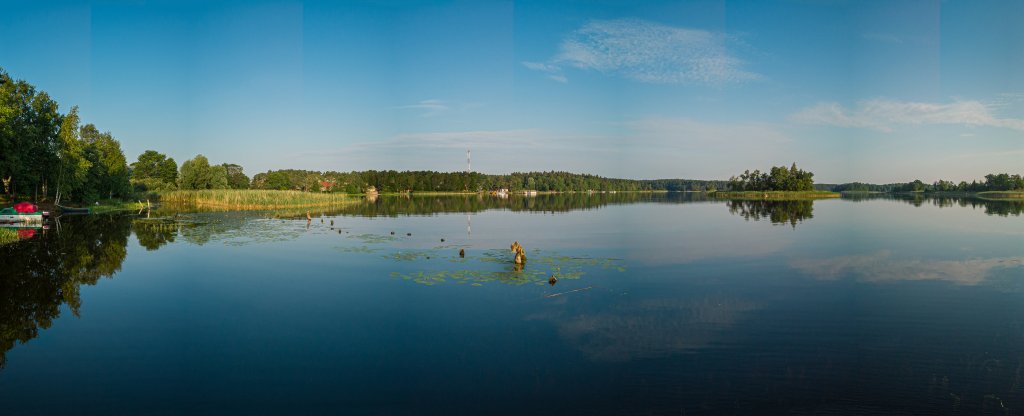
(665, 304)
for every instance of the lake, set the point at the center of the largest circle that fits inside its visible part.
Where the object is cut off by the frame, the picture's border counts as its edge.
(664, 304)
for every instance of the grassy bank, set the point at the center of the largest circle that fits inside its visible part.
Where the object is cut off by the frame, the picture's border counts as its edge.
(252, 199)
(777, 195)
(8, 235)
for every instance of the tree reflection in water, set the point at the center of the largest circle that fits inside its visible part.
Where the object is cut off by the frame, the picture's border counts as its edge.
(1000, 207)
(43, 273)
(778, 212)
(154, 234)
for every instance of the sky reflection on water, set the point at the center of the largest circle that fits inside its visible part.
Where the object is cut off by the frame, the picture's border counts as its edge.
(664, 303)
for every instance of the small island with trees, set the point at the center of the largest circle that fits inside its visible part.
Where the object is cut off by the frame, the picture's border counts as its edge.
(778, 183)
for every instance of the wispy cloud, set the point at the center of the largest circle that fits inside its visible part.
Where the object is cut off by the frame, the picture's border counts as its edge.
(884, 115)
(554, 72)
(429, 107)
(647, 52)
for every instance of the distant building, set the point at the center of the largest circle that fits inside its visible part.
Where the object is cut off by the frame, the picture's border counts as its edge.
(326, 186)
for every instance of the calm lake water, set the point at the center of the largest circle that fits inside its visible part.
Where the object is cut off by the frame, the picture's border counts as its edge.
(664, 304)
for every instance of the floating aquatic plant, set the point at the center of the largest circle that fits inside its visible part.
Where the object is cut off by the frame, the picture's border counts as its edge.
(538, 272)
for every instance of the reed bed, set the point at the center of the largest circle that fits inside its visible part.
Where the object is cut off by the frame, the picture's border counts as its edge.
(252, 199)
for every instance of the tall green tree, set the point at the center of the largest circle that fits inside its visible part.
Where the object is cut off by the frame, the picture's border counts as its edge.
(74, 166)
(195, 174)
(29, 122)
(236, 177)
(218, 177)
(108, 176)
(148, 165)
(168, 171)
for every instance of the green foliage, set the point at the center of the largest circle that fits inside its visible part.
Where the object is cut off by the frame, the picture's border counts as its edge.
(152, 185)
(148, 165)
(196, 174)
(108, 174)
(779, 179)
(391, 181)
(74, 165)
(218, 177)
(155, 166)
(42, 148)
(992, 182)
(29, 123)
(278, 180)
(199, 174)
(236, 177)
(168, 171)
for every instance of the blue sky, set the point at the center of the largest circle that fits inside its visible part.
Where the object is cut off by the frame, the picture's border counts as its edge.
(879, 91)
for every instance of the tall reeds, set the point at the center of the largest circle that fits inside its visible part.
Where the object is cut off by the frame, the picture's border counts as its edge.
(252, 199)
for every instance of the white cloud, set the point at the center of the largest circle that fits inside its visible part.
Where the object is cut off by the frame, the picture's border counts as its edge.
(884, 115)
(648, 52)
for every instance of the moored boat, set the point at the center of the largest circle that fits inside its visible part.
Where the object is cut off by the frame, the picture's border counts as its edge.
(10, 215)
(73, 210)
(22, 212)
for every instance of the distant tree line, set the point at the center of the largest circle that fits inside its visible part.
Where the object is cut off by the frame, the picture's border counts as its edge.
(991, 182)
(431, 181)
(779, 178)
(44, 152)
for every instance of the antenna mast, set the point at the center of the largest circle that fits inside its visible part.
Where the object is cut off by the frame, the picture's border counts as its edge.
(469, 164)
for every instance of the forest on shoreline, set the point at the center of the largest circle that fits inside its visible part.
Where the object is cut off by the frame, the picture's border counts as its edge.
(47, 155)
